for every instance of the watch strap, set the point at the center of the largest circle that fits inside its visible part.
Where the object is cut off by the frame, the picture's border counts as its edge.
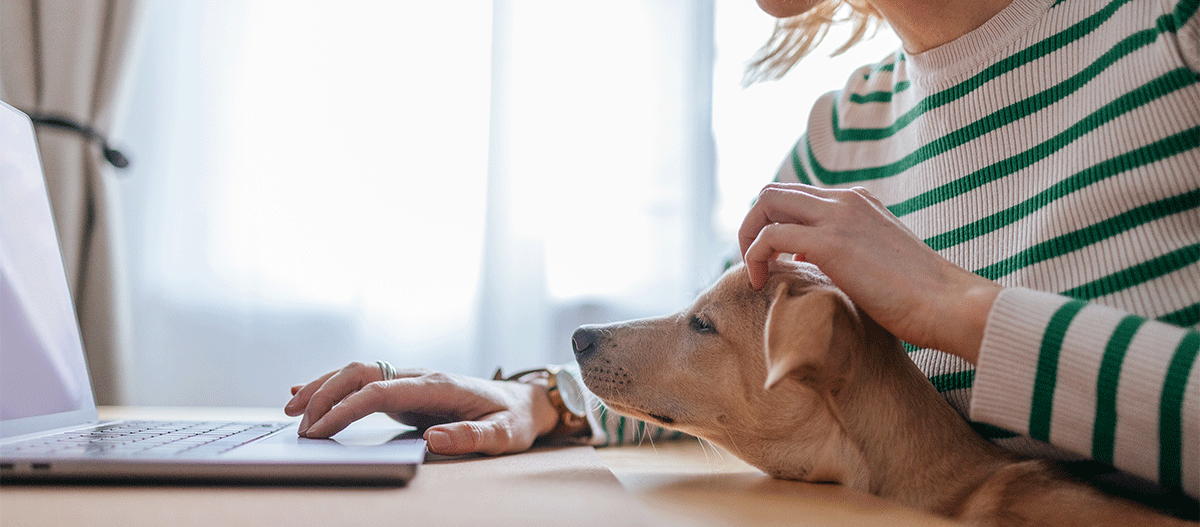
(567, 419)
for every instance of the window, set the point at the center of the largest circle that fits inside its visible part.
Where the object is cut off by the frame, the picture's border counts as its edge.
(453, 186)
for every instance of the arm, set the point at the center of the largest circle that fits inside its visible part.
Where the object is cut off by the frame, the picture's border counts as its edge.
(1094, 380)
(1046, 364)
(460, 414)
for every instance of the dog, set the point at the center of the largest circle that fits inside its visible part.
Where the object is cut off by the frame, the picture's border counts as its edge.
(797, 381)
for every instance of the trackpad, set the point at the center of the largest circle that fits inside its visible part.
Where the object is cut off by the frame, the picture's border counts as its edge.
(361, 442)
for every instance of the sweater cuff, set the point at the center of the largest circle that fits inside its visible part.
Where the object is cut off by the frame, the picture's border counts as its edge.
(1007, 392)
(1008, 358)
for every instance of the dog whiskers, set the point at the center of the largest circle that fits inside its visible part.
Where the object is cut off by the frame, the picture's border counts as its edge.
(716, 451)
(646, 435)
(705, 450)
(733, 444)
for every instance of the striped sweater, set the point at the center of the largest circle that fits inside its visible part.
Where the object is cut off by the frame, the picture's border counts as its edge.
(1055, 150)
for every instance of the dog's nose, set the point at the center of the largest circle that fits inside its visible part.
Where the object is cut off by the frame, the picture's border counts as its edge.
(584, 341)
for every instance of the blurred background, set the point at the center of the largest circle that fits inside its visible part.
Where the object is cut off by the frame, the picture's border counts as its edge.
(448, 185)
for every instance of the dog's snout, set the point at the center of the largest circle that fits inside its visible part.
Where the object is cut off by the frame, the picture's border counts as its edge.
(584, 341)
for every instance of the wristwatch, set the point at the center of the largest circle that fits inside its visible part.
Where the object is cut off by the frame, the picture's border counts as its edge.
(565, 393)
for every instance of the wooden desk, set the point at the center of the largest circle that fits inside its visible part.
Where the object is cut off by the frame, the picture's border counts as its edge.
(674, 484)
(696, 484)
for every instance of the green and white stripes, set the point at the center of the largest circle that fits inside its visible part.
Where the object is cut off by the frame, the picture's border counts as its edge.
(1170, 431)
(1060, 154)
(1166, 23)
(1104, 428)
(1114, 375)
(1047, 370)
(1055, 150)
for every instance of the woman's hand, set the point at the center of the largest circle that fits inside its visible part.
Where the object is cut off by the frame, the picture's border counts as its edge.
(903, 284)
(463, 414)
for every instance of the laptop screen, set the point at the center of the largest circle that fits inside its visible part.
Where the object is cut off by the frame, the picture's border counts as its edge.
(43, 375)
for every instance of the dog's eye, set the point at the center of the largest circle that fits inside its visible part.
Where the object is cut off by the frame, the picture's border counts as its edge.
(700, 325)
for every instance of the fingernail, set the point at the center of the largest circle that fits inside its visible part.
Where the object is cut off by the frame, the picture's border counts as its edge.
(314, 430)
(439, 441)
(303, 426)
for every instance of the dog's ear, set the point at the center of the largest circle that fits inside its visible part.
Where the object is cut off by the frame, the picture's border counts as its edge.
(799, 335)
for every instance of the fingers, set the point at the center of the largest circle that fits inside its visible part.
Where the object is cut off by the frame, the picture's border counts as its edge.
(301, 396)
(810, 222)
(334, 386)
(783, 203)
(433, 393)
(316, 402)
(776, 239)
(495, 434)
(347, 409)
(491, 417)
(488, 426)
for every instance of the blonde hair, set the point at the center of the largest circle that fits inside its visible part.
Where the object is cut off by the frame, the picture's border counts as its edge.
(795, 37)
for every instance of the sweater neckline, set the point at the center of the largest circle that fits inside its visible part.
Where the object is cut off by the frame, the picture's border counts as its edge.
(953, 58)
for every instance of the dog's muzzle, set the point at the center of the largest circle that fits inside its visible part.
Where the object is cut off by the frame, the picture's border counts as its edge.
(585, 341)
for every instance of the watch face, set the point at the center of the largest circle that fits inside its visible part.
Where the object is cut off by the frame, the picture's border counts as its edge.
(572, 395)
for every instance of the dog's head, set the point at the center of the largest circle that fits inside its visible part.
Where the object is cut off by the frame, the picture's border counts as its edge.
(756, 372)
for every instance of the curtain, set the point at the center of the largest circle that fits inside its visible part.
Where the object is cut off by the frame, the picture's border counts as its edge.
(65, 57)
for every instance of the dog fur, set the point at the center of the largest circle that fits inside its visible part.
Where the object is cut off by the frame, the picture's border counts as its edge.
(796, 381)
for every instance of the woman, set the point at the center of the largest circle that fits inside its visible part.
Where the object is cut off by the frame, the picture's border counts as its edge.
(1018, 187)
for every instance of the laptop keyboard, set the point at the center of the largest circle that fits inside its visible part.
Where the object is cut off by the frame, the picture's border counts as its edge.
(146, 438)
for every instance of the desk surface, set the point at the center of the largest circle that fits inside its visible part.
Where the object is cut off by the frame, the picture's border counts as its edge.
(675, 483)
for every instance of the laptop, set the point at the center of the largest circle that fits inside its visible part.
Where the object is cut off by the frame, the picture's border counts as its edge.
(49, 427)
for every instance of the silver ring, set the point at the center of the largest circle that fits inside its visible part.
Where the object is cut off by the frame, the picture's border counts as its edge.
(386, 369)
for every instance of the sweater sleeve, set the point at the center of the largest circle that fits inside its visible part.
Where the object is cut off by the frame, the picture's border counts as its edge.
(1116, 387)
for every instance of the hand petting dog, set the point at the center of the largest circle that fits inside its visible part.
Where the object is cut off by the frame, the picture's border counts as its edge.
(793, 367)
(903, 284)
(797, 381)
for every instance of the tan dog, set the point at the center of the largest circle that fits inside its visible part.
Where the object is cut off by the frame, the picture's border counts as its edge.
(834, 399)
